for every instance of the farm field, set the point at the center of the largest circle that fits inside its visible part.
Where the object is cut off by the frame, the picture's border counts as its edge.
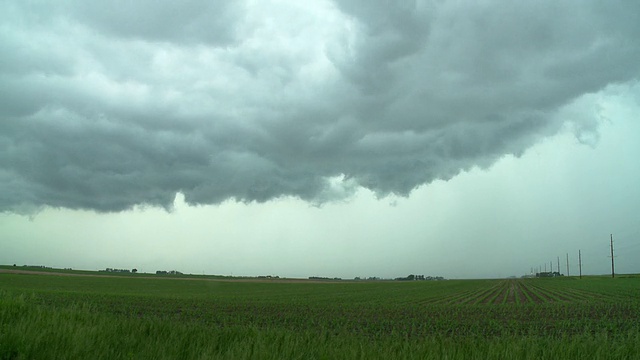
(49, 316)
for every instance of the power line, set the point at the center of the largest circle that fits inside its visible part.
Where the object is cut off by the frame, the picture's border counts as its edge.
(626, 246)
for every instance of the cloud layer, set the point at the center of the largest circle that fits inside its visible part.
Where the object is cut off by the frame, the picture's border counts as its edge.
(110, 105)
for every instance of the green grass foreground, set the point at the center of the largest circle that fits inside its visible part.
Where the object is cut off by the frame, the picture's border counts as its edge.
(82, 317)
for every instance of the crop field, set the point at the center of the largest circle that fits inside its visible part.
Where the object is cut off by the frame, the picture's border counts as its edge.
(138, 317)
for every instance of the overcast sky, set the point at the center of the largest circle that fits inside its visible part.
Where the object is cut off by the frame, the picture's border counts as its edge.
(320, 138)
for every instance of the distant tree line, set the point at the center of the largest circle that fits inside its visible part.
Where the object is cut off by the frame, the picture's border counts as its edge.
(323, 278)
(36, 266)
(170, 272)
(110, 270)
(419, 278)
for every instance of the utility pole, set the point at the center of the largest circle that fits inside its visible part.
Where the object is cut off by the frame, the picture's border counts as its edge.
(558, 264)
(567, 264)
(551, 266)
(580, 263)
(613, 273)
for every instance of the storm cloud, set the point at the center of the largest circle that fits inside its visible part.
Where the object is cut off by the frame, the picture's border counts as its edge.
(109, 105)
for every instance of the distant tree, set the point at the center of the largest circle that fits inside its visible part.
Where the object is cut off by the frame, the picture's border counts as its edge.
(134, 271)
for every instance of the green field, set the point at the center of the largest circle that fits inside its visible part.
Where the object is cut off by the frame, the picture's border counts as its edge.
(141, 317)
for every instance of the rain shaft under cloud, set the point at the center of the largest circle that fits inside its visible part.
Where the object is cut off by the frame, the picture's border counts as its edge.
(110, 105)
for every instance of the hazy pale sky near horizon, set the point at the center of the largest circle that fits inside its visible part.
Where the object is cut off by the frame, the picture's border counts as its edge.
(320, 138)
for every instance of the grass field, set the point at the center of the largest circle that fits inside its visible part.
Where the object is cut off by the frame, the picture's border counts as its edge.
(138, 317)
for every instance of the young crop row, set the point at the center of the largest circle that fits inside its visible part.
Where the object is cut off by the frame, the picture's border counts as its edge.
(514, 307)
(537, 291)
(30, 331)
(369, 321)
(509, 307)
(371, 313)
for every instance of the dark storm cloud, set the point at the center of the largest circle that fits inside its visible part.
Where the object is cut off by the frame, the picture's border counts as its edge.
(108, 105)
(194, 21)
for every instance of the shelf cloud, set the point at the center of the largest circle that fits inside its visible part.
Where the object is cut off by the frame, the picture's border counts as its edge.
(110, 105)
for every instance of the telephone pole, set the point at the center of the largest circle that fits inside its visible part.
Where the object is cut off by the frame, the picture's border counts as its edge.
(567, 264)
(558, 264)
(613, 273)
(580, 263)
